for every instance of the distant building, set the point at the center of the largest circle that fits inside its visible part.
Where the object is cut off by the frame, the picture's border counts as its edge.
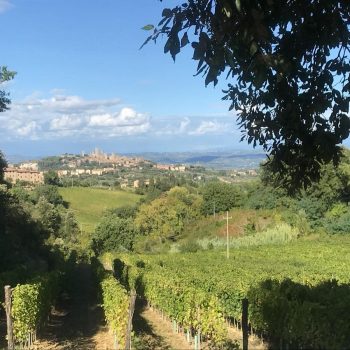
(252, 172)
(62, 173)
(171, 167)
(15, 174)
(97, 172)
(29, 166)
(108, 170)
(163, 166)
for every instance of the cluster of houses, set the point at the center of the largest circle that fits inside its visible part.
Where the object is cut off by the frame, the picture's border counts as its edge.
(98, 156)
(248, 172)
(78, 172)
(27, 172)
(171, 167)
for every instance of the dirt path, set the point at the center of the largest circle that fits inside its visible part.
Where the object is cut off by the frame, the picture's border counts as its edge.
(253, 341)
(161, 329)
(77, 322)
(162, 336)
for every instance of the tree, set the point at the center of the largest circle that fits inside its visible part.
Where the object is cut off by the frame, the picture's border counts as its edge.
(3, 165)
(5, 75)
(49, 216)
(166, 216)
(49, 192)
(51, 178)
(288, 65)
(71, 226)
(220, 197)
(113, 234)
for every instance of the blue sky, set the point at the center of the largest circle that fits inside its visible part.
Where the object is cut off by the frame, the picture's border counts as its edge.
(83, 82)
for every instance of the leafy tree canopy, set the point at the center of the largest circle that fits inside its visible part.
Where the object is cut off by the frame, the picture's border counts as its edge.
(49, 192)
(166, 216)
(113, 234)
(220, 197)
(5, 75)
(288, 66)
(3, 165)
(51, 178)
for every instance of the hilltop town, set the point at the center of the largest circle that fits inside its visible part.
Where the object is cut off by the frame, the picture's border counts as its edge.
(100, 168)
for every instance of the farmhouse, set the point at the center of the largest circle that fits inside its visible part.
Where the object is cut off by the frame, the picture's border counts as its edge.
(15, 174)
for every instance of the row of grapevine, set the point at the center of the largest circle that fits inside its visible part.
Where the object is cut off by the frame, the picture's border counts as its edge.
(299, 294)
(198, 313)
(116, 308)
(31, 304)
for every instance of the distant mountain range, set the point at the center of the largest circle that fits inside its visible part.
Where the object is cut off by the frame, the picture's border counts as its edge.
(209, 159)
(17, 158)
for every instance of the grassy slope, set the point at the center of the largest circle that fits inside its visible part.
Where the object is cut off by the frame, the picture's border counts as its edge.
(209, 227)
(89, 203)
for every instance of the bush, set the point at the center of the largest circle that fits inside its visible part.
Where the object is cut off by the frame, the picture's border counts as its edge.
(189, 247)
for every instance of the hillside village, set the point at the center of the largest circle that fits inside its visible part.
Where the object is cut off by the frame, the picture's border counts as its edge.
(126, 172)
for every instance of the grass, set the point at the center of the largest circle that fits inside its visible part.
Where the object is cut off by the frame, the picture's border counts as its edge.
(88, 203)
(210, 227)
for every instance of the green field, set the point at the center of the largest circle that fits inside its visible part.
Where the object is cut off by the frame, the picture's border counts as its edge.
(88, 204)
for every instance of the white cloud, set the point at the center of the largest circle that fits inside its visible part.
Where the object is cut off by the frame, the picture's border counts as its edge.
(29, 130)
(61, 116)
(174, 126)
(5, 5)
(210, 126)
(63, 104)
(126, 117)
(65, 122)
(184, 124)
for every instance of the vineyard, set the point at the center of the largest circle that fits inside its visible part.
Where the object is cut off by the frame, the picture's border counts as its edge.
(299, 294)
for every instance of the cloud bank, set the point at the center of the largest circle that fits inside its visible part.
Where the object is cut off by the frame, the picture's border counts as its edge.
(62, 116)
(71, 116)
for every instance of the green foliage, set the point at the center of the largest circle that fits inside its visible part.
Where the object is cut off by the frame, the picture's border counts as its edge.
(124, 212)
(303, 316)
(116, 307)
(113, 234)
(3, 165)
(21, 194)
(21, 237)
(306, 209)
(71, 226)
(166, 216)
(220, 196)
(188, 305)
(304, 305)
(49, 216)
(279, 234)
(338, 221)
(51, 178)
(284, 76)
(31, 304)
(5, 75)
(189, 247)
(49, 192)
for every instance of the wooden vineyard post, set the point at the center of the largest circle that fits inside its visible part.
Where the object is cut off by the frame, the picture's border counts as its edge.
(129, 328)
(8, 307)
(227, 236)
(245, 323)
